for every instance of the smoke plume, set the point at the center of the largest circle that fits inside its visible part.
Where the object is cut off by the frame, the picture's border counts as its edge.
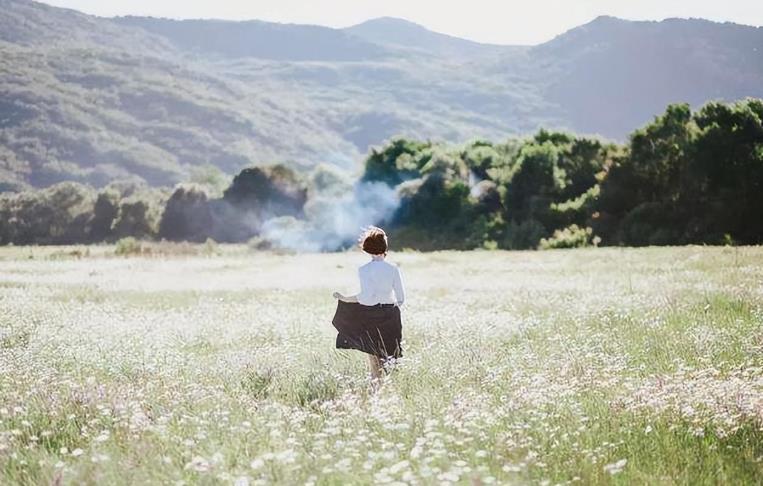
(334, 216)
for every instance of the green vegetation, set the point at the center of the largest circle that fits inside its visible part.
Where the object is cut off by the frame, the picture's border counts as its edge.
(605, 366)
(69, 213)
(684, 178)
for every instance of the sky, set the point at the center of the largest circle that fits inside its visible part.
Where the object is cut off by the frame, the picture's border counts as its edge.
(490, 21)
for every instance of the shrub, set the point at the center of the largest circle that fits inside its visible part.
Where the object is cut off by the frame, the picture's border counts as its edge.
(210, 248)
(572, 236)
(128, 246)
(259, 243)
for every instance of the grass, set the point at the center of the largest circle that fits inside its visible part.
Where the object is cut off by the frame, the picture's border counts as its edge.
(598, 366)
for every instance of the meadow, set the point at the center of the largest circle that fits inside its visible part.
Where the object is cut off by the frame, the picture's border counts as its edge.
(217, 366)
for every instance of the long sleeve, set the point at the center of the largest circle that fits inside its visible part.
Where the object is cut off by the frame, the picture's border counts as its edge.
(363, 296)
(397, 285)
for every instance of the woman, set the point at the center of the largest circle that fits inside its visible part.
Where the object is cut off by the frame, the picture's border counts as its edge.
(370, 321)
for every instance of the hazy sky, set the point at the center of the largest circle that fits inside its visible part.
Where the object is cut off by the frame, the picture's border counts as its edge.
(496, 21)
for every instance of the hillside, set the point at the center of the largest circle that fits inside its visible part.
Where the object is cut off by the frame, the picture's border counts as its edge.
(611, 75)
(93, 99)
(263, 40)
(387, 31)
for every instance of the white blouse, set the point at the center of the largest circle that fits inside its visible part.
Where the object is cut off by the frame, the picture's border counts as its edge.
(379, 280)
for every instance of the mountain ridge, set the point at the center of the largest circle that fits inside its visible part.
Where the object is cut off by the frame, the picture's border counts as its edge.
(260, 39)
(401, 32)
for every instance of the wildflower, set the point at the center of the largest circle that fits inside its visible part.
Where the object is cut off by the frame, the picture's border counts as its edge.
(198, 464)
(396, 468)
(616, 467)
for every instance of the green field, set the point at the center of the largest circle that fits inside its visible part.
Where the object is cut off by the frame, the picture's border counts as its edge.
(217, 366)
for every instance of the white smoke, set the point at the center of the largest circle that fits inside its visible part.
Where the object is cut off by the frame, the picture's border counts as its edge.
(334, 216)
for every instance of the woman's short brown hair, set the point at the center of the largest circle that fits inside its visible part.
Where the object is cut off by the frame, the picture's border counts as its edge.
(374, 241)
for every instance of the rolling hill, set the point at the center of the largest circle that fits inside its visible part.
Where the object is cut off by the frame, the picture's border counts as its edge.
(94, 99)
(611, 75)
(392, 32)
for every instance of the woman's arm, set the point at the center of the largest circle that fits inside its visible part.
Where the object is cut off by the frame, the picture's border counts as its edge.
(397, 285)
(345, 298)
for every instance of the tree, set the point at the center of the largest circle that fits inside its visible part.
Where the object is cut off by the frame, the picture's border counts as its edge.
(268, 191)
(728, 169)
(479, 156)
(653, 179)
(105, 212)
(140, 213)
(59, 214)
(660, 153)
(535, 183)
(187, 215)
(399, 161)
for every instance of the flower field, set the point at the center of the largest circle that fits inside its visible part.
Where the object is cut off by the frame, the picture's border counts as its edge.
(601, 366)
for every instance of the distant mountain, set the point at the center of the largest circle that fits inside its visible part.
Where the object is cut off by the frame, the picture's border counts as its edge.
(29, 24)
(263, 40)
(402, 33)
(611, 75)
(94, 99)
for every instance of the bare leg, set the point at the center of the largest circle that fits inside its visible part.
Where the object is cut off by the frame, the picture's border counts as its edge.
(376, 367)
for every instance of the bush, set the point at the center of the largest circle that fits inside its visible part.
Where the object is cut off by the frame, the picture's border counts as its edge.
(128, 246)
(210, 248)
(259, 243)
(572, 236)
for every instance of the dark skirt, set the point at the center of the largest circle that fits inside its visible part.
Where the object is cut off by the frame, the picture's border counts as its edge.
(376, 330)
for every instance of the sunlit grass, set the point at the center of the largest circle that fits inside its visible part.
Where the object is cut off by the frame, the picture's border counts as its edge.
(587, 366)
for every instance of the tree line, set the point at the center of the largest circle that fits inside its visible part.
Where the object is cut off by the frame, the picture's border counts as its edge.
(686, 177)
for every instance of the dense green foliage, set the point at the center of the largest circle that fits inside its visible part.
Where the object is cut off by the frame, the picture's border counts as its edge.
(684, 178)
(68, 212)
(74, 213)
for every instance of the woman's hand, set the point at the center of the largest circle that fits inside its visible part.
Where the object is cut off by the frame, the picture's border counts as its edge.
(350, 299)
